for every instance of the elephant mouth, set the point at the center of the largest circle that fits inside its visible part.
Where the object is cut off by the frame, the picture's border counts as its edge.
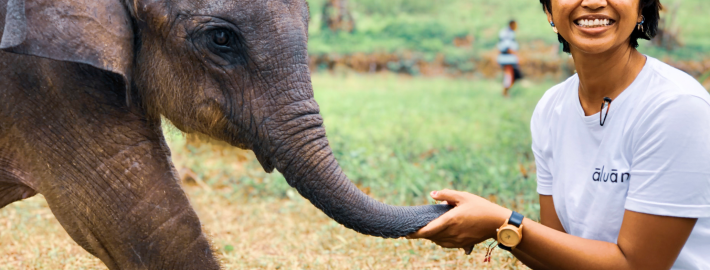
(260, 145)
(264, 159)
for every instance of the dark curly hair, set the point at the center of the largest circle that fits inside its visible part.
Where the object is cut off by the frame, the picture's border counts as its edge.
(650, 10)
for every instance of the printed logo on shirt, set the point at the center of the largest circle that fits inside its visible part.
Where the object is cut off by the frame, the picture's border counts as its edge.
(614, 176)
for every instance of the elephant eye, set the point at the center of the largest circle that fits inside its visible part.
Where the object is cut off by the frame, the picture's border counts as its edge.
(226, 45)
(220, 37)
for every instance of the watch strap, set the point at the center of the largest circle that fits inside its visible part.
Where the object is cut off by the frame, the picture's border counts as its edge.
(516, 219)
(503, 247)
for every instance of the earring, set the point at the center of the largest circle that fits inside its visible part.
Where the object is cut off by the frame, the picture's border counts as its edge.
(639, 25)
(554, 28)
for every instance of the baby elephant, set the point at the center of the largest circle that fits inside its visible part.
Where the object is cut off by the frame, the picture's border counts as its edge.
(83, 86)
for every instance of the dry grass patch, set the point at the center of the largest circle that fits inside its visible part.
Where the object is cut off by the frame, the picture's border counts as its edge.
(257, 234)
(31, 238)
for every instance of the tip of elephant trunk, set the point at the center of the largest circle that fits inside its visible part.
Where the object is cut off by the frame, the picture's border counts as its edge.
(326, 186)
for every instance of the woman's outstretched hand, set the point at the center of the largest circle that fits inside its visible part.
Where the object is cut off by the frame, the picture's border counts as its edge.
(471, 221)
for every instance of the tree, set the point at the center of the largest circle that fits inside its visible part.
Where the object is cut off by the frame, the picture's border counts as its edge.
(337, 16)
(668, 33)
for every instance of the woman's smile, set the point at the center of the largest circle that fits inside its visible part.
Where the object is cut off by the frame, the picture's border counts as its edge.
(594, 24)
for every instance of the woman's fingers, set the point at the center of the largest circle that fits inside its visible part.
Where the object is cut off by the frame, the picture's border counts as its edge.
(430, 229)
(446, 244)
(438, 225)
(468, 249)
(433, 228)
(455, 242)
(451, 196)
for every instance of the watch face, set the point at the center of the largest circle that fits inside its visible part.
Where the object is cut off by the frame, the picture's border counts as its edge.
(509, 237)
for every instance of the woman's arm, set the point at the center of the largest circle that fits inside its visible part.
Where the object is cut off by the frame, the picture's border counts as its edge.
(548, 214)
(644, 242)
(549, 218)
(528, 261)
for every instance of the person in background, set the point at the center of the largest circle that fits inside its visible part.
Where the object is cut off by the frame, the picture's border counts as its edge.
(508, 57)
(621, 150)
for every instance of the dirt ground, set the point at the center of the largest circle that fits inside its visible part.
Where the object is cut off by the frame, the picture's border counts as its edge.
(258, 234)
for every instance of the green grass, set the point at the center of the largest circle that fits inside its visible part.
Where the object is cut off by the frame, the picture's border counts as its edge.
(404, 137)
(429, 27)
(401, 137)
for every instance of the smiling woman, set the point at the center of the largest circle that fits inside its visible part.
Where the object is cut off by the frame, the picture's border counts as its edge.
(621, 187)
(646, 28)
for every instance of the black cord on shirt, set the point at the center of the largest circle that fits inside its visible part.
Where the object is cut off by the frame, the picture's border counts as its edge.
(607, 102)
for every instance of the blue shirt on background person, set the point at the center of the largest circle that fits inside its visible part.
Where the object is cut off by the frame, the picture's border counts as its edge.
(507, 44)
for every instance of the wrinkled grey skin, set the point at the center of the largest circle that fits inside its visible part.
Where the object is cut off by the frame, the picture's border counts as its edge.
(83, 84)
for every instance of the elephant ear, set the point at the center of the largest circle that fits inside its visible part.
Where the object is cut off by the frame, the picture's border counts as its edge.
(93, 32)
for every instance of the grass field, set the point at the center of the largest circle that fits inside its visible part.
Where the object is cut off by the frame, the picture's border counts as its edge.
(396, 137)
(429, 27)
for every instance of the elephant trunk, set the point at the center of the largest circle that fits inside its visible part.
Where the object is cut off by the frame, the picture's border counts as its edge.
(307, 162)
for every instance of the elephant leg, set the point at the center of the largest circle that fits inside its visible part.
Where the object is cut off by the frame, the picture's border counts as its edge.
(157, 229)
(14, 181)
(130, 211)
(10, 192)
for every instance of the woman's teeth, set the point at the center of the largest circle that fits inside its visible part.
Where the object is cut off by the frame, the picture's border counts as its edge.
(594, 23)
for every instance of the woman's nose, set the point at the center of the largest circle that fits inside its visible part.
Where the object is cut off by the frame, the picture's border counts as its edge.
(594, 4)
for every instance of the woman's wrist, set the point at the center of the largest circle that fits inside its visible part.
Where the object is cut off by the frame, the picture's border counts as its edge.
(498, 217)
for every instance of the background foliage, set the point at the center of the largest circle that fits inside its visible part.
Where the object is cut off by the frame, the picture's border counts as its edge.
(430, 26)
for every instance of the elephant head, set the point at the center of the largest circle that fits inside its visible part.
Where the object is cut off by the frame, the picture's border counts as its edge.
(235, 70)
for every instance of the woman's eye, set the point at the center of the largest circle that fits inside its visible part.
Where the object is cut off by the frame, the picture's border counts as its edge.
(220, 38)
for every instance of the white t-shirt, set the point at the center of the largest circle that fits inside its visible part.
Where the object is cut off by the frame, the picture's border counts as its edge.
(651, 156)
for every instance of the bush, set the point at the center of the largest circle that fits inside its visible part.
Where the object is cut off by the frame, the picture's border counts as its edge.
(390, 7)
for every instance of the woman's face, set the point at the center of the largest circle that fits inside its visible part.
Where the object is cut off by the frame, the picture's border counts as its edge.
(595, 26)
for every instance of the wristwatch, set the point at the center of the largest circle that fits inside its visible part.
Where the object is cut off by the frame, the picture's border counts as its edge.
(511, 233)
